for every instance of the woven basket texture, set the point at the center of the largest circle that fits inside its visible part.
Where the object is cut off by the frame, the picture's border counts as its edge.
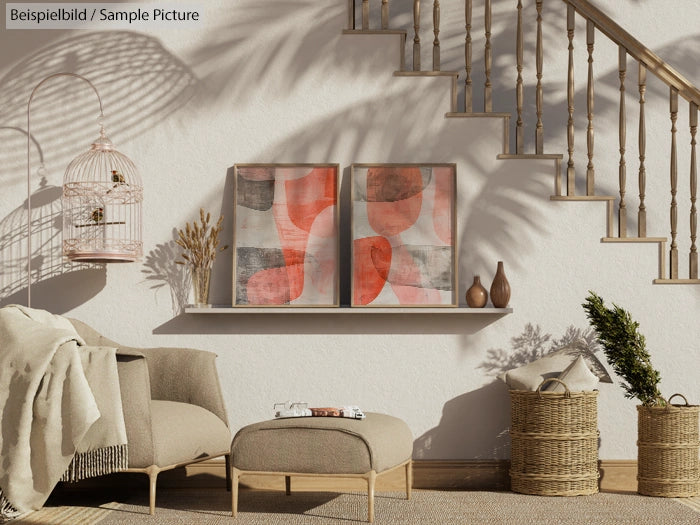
(668, 446)
(554, 442)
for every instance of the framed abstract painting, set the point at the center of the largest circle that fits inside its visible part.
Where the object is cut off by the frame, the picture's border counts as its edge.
(285, 240)
(403, 235)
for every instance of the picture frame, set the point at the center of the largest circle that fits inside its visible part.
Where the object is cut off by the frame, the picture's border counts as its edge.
(286, 235)
(404, 232)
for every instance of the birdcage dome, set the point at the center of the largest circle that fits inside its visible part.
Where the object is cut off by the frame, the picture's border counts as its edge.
(102, 196)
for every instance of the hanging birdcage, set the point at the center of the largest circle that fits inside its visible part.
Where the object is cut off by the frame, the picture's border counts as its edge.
(102, 196)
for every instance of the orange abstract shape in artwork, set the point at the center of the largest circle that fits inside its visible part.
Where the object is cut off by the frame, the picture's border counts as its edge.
(268, 287)
(407, 281)
(278, 285)
(371, 264)
(394, 198)
(310, 195)
(294, 264)
(298, 213)
(442, 205)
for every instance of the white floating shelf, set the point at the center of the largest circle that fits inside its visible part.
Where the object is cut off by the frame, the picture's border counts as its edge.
(247, 310)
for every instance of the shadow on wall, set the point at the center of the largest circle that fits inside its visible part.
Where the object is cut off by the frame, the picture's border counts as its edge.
(161, 272)
(532, 344)
(473, 425)
(139, 82)
(52, 275)
(259, 39)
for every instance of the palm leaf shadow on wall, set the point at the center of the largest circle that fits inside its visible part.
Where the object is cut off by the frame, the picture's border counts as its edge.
(140, 84)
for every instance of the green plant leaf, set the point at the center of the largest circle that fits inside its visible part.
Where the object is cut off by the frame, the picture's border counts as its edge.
(625, 349)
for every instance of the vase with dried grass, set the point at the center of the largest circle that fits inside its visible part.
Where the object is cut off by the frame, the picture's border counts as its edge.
(200, 243)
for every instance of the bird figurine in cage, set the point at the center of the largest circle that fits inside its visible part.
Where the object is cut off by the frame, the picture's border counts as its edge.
(118, 178)
(97, 215)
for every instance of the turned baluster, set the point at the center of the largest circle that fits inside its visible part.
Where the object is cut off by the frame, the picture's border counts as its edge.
(539, 128)
(436, 32)
(642, 214)
(488, 103)
(590, 101)
(693, 192)
(468, 57)
(385, 14)
(519, 134)
(622, 210)
(674, 185)
(570, 174)
(416, 38)
(365, 14)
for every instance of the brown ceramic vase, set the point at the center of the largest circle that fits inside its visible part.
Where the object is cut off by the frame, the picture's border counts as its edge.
(476, 294)
(500, 288)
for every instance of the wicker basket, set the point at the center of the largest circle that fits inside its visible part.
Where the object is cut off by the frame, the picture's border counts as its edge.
(668, 446)
(554, 442)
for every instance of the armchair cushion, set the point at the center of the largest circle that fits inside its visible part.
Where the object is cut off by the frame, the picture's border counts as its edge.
(183, 432)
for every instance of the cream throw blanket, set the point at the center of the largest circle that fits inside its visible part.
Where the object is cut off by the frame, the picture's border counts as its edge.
(61, 408)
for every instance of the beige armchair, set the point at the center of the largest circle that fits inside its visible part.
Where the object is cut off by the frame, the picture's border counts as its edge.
(173, 408)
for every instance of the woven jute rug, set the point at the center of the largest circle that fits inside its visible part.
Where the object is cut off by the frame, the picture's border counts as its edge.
(212, 506)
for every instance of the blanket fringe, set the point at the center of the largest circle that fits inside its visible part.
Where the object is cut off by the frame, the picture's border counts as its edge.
(7, 510)
(97, 462)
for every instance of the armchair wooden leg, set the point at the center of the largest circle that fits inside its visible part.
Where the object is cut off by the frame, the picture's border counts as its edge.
(409, 479)
(371, 478)
(227, 457)
(235, 476)
(153, 478)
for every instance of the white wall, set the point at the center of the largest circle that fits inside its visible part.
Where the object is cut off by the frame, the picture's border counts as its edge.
(278, 82)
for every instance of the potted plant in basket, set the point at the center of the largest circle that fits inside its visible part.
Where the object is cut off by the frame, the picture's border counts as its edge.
(201, 244)
(667, 458)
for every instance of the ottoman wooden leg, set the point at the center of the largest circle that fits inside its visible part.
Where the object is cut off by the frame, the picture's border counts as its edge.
(409, 478)
(235, 475)
(371, 478)
(287, 485)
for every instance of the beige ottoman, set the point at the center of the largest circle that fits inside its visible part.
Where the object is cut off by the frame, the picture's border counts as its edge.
(323, 446)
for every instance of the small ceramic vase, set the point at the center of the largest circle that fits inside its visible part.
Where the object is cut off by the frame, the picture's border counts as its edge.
(476, 294)
(500, 288)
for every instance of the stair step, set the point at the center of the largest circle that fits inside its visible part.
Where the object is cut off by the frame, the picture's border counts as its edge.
(374, 32)
(676, 281)
(582, 198)
(634, 239)
(476, 115)
(426, 74)
(525, 156)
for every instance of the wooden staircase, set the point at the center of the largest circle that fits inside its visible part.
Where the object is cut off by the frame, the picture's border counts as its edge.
(565, 190)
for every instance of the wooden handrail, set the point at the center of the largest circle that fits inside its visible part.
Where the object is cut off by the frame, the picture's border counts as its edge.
(636, 49)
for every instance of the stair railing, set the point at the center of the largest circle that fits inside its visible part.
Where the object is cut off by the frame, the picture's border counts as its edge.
(647, 62)
(628, 46)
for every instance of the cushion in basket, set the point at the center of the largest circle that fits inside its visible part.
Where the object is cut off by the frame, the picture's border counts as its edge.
(577, 377)
(529, 376)
(323, 445)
